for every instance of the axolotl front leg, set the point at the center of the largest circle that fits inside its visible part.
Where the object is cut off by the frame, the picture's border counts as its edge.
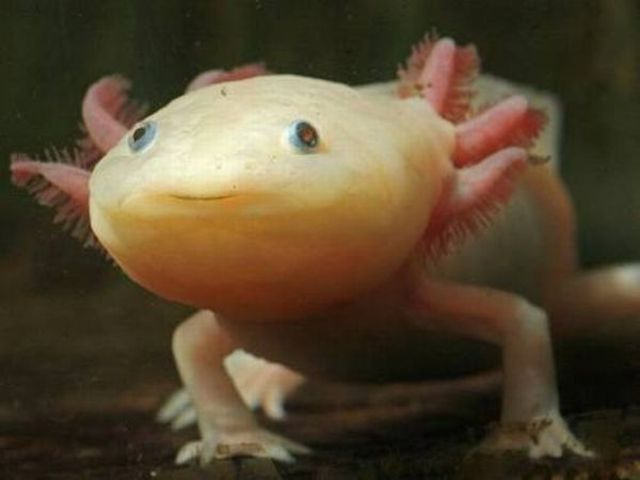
(227, 427)
(260, 383)
(531, 419)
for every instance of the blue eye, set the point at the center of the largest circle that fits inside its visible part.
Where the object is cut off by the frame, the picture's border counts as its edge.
(303, 136)
(142, 136)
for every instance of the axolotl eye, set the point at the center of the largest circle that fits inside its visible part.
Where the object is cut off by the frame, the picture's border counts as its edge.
(302, 136)
(143, 136)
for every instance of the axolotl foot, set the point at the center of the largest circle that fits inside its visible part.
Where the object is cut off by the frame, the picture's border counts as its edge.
(255, 442)
(543, 436)
(261, 384)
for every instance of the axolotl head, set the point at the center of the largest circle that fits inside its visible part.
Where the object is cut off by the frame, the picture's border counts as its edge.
(271, 196)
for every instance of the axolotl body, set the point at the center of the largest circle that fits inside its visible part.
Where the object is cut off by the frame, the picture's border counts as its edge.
(366, 234)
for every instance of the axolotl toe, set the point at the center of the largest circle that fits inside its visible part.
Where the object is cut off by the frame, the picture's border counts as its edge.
(370, 234)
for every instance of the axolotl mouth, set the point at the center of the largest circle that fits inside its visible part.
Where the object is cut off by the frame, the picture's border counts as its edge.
(151, 204)
(203, 198)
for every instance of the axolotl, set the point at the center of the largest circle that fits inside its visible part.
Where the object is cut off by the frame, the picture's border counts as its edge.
(358, 234)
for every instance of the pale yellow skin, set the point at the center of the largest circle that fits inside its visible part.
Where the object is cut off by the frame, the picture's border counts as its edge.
(348, 212)
(312, 260)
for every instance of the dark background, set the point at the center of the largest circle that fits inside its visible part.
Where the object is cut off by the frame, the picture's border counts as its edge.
(71, 323)
(586, 51)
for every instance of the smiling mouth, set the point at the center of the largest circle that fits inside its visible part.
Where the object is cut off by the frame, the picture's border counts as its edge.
(168, 199)
(203, 198)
